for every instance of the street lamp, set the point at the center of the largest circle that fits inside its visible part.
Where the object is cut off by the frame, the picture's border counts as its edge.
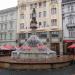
(33, 23)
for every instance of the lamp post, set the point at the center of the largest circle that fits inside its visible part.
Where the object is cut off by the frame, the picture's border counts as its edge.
(33, 23)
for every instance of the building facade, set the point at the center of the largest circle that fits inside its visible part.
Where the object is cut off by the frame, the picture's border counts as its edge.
(8, 26)
(49, 21)
(68, 16)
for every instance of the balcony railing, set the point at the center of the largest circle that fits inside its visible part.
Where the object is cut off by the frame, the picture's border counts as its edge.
(71, 25)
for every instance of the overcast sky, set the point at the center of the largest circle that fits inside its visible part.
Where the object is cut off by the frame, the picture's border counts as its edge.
(7, 4)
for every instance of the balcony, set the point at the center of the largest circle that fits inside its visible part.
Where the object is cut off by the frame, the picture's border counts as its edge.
(55, 40)
(70, 26)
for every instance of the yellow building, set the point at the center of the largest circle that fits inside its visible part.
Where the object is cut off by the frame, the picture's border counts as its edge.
(49, 21)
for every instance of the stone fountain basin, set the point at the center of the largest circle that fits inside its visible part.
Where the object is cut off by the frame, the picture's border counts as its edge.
(33, 54)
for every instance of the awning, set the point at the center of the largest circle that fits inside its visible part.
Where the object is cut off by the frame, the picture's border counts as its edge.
(68, 41)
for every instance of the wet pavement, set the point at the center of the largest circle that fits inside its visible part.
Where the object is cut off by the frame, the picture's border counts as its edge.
(70, 70)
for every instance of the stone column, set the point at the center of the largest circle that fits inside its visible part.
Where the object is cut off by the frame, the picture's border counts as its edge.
(65, 48)
(48, 40)
(61, 42)
(61, 48)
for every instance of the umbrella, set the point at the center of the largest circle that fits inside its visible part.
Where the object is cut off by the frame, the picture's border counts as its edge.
(72, 46)
(7, 47)
(3, 48)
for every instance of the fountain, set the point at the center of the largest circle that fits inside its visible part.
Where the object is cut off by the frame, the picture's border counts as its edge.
(34, 48)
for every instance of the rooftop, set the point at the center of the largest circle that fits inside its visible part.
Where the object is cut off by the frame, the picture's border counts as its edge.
(8, 10)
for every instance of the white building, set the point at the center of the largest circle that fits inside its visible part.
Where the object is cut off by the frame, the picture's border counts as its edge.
(68, 12)
(8, 26)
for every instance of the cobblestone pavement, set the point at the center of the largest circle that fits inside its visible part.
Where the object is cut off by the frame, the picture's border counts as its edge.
(70, 70)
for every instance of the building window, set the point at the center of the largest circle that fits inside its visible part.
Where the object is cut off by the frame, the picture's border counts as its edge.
(44, 13)
(5, 26)
(26, 27)
(1, 36)
(29, 34)
(5, 36)
(11, 15)
(40, 23)
(22, 26)
(71, 19)
(11, 24)
(40, 14)
(1, 26)
(40, 4)
(6, 17)
(22, 36)
(44, 3)
(55, 34)
(10, 36)
(44, 23)
(72, 8)
(53, 1)
(23, 6)
(42, 34)
(53, 11)
(2, 18)
(54, 22)
(72, 34)
(21, 16)
(35, 5)
(31, 6)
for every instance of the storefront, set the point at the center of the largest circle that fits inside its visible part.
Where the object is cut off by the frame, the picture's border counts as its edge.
(55, 47)
(66, 44)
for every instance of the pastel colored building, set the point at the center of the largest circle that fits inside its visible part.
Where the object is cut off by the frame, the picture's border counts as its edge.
(68, 22)
(8, 26)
